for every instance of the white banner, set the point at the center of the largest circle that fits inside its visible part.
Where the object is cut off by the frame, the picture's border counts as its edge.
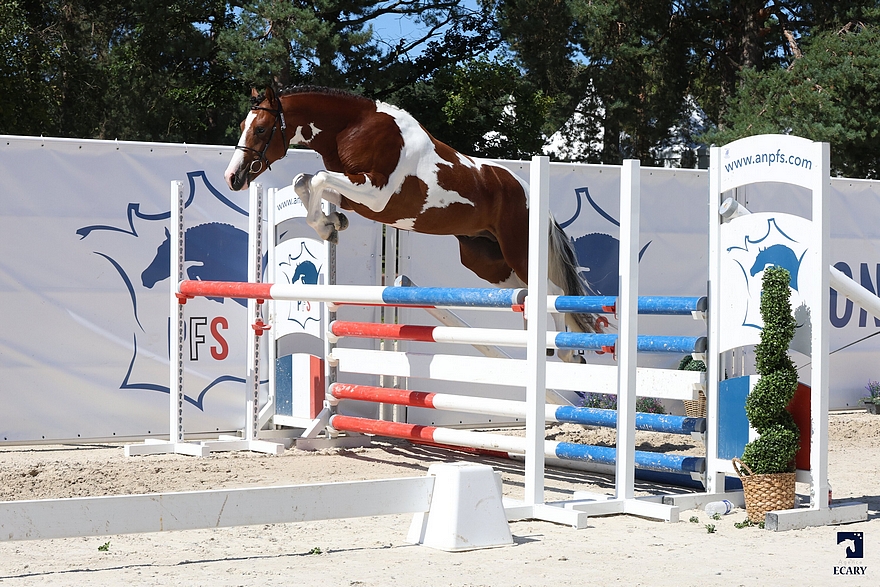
(84, 276)
(84, 327)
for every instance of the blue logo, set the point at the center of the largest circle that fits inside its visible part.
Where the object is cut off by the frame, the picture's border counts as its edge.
(598, 253)
(772, 247)
(778, 256)
(302, 268)
(218, 253)
(214, 251)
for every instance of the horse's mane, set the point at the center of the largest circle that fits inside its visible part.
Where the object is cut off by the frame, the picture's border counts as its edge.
(321, 90)
(307, 89)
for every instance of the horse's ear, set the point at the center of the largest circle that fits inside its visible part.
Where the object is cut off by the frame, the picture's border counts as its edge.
(270, 94)
(254, 93)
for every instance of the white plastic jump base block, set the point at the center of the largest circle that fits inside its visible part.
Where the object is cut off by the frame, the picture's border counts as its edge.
(153, 446)
(798, 518)
(221, 508)
(690, 501)
(466, 510)
(557, 513)
(317, 436)
(644, 507)
(204, 448)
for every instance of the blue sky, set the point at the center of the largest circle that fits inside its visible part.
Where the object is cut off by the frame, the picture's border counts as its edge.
(393, 28)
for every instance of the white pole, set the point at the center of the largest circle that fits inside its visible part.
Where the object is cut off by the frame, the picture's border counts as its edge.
(175, 387)
(820, 380)
(851, 289)
(714, 478)
(255, 266)
(536, 314)
(271, 237)
(630, 184)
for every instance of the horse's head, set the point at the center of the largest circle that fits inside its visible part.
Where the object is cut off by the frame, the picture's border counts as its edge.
(263, 141)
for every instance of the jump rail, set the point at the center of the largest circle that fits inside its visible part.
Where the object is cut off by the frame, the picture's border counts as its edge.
(514, 409)
(514, 444)
(501, 337)
(358, 294)
(649, 305)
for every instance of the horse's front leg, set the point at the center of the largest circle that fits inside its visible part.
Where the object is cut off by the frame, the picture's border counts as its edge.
(327, 226)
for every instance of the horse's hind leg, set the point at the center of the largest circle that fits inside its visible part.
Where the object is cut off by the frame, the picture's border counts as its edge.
(482, 255)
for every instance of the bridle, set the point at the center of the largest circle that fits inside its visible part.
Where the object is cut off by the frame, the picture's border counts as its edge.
(256, 165)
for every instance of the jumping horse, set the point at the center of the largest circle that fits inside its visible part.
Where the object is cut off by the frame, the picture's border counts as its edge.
(381, 163)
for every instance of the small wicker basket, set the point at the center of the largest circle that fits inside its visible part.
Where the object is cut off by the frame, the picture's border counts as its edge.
(696, 408)
(765, 493)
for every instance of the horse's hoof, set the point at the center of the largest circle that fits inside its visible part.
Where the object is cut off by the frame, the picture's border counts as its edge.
(333, 238)
(550, 352)
(341, 221)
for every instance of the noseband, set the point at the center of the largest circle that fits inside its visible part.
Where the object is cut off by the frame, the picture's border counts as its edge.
(256, 165)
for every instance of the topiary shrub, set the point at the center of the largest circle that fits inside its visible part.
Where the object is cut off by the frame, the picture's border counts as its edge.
(775, 450)
(688, 363)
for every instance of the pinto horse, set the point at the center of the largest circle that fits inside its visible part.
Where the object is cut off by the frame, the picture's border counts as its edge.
(381, 163)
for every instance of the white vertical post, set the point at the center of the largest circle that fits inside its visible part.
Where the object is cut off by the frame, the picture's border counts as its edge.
(255, 275)
(536, 314)
(820, 380)
(714, 480)
(627, 306)
(271, 237)
(176, 336)
(175, 384)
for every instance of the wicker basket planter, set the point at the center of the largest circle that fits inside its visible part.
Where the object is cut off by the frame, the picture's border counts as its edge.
(696, 408)
(765, 493)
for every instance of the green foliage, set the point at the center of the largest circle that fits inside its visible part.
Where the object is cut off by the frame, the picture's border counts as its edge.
(775, 449)
(873, 389)
(607, 401)
(710, 528)
(602, 401)
(128, 69)
(609, 79)
(773, 452)
(830, 94)
(104, 547)
(481, 107)
(688, 363)
(747, 523)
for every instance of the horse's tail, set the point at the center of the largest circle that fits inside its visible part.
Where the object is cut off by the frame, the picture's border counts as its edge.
(563, 272)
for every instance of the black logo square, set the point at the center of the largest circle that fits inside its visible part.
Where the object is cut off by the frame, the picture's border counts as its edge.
(857, 547)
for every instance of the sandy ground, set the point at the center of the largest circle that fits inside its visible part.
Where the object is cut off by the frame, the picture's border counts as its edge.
(613, 550)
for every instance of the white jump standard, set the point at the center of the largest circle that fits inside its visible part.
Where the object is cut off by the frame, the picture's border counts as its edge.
(249, 439)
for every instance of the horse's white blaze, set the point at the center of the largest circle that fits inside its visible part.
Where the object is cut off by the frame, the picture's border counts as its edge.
(238, 155)
(418, 158)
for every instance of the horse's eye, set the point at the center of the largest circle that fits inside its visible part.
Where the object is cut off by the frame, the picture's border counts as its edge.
(259, 130)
